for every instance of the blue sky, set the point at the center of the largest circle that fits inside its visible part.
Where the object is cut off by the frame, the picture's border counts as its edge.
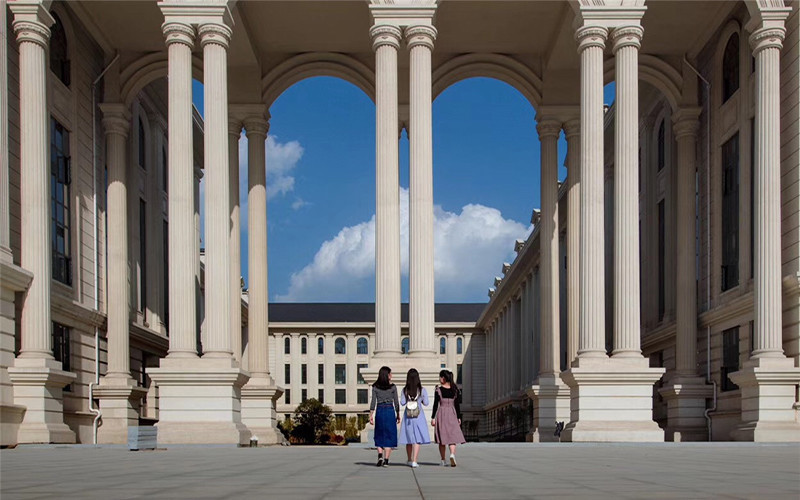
(321, 180)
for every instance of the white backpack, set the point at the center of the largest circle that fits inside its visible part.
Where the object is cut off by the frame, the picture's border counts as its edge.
(412, 408)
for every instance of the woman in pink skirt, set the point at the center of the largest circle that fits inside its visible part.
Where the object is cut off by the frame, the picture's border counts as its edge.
(446, 417)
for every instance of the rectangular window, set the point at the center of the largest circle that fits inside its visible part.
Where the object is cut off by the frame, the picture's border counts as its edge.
(288, 396)
(166, 275)
(60, 181)
(730, 213)
(321, 395)
(341, 420)
(142, 255)
(341, 374)
(341, 397)
(303, 395)
(359, 376)
(287, 374)
(321, 374)
(303, 373)
(320, 346)
(363, 396)
(61, 348)
(730, 357)
(661, 259)
(459, 373)
(142, 148)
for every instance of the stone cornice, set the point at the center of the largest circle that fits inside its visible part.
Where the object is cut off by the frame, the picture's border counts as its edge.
(610, 16)
(402, 15)
(196, 12)
(14, 277)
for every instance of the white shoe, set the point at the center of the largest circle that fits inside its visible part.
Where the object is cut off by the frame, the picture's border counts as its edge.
(414, 465)
(409, 463)
(452, 460)
(444, 464)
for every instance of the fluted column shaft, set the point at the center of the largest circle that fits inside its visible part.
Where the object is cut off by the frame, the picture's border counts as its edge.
(386, 42)
(591, 341)
(116, 123)
(572, 131)
(627, 321)
(181, 230)
(234, 240)
(421, 297)
(214, 39)
(685, 129)
(258, 295)
(548, 247)
(767, 43)
(5, 220)
(33, 37)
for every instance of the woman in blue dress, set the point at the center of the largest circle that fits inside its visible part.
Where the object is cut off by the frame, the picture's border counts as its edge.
(384, 415)
(414, 429)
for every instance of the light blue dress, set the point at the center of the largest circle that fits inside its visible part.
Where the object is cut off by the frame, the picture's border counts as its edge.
(415, 430)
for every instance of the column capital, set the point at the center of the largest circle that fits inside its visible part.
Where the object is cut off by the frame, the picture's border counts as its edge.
(591, 36)
(548, 127)
(32, 21)
(686, 121)
(116, 118)
(234, 125)
(627, 36)
(385, 34)
(420, 35)
(572, 128)
(214, 33)
(767, 38)
(178, 32)
(256, 126)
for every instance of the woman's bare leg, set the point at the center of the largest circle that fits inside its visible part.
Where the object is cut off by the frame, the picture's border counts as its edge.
(452, 449)
(416, 452)
(386, 453)
(441, 450)
(408, 452)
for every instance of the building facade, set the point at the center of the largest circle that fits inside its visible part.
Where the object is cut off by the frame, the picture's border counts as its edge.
(664, 268)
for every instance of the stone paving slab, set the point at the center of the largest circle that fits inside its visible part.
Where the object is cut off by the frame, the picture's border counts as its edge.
(485, 471)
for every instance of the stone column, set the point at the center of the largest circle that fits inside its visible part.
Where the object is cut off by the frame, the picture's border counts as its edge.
(597, 413)
(421, 297)
(38, 379)
(768, 380)
(686, 393)
(627, 322)
(118, 394)
(214, 39)
(5, 214)
(182, 256)
(235, 237)
(572, 131)
(386, 42)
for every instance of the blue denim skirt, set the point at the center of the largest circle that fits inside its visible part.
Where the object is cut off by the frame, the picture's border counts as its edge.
(385, 426)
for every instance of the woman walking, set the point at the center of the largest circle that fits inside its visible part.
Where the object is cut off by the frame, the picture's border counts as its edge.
(414, 430)
(446, 418)
(384, 415)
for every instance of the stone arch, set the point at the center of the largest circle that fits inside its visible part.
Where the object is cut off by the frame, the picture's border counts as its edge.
(657, 73)
(312, 64)
(496, 66)
(147, 69)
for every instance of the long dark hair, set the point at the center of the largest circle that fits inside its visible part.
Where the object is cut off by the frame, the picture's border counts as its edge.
(413, 385)
(383, 378)
(448, 377)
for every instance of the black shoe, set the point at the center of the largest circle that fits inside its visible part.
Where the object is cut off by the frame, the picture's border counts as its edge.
(380, 462)
(386, 463)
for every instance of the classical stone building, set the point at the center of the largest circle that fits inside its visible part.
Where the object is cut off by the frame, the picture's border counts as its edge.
(659, 291)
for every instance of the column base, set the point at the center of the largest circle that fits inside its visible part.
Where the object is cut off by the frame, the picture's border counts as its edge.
(551, 404)
(119, 403)
(258, 410)
(38, 387)
(768, 400)
(200, 401)
(611, 400)
(686, 405)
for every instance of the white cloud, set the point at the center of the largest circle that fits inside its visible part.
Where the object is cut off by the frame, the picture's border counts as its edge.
(299, 203)
(469, 249)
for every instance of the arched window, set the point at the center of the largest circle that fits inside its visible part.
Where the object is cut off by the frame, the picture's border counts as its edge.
(287, 349)
(459, 345)
(339, 347)
(320, 345)
(730, 68)
(404, 345)
(362, 346)
(142, 149)
(304, 345)
(442, 345)
(59, 55)
(661, 150)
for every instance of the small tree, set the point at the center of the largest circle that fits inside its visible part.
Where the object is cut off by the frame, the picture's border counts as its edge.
(312, 417)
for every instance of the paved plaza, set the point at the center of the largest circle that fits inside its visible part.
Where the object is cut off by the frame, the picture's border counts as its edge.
(485, 471)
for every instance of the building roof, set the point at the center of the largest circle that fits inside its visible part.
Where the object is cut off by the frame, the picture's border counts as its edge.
(364, 312)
